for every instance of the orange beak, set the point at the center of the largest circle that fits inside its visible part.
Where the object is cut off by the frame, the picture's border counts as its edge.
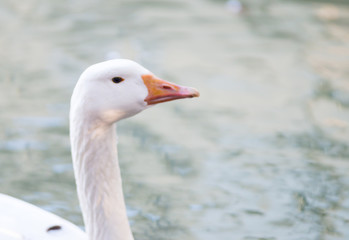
(162, 91)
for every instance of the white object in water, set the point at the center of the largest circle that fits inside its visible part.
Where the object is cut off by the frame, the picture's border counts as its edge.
(105, 93)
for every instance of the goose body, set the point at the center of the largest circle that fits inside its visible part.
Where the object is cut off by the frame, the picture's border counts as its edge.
(105, 93)
(20, 220)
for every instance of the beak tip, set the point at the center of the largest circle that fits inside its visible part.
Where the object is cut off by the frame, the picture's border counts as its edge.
(195, 93)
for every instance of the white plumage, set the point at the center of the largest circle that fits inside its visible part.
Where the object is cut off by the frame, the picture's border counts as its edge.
(105, 93)
(23, 221)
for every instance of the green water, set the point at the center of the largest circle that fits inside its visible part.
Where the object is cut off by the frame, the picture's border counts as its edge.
(263, 154)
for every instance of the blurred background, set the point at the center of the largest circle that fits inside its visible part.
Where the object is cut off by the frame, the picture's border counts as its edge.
(263, 154)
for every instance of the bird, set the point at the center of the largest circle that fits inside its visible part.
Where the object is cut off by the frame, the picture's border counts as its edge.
(105, 93)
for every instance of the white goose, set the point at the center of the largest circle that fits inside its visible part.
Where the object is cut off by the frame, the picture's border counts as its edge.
(105, 93)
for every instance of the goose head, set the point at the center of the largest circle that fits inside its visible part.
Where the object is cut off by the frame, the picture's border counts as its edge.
(120, 88)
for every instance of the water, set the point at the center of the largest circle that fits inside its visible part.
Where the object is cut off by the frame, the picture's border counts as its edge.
(262, 154)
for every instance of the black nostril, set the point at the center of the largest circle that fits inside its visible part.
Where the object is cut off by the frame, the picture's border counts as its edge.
(167, 87)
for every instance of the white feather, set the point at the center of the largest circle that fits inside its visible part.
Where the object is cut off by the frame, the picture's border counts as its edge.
(21, 220)
(97, 103)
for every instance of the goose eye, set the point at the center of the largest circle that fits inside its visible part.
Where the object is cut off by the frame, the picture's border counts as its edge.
(117, 79)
